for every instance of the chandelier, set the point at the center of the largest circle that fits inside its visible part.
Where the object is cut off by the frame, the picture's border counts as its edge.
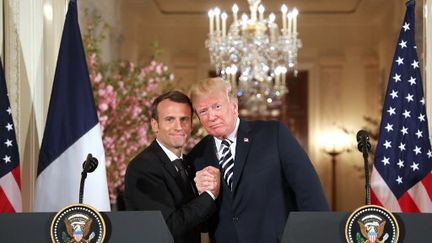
(253, 53)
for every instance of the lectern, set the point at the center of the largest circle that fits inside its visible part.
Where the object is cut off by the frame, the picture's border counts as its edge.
(308, 227)
(131, 227)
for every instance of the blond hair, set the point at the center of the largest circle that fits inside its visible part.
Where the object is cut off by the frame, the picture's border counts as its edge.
(211, 85)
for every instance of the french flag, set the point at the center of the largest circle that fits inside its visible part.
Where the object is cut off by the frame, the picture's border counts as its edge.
(71, 132)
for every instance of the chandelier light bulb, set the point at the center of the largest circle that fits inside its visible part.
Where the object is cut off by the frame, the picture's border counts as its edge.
(284, 9)
(216, 11)
(261, 10)
(272, 17)
(235, 10)
(244, 17)
(211, 21)
(295, 13)
(224, 17)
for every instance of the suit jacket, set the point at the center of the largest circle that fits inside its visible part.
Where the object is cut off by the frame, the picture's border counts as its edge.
(272, 177)
(153, 183)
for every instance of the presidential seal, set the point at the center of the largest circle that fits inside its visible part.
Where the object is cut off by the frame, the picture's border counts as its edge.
(78, 223)
(371, 224)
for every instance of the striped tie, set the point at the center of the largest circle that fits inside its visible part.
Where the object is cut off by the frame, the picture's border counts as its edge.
(226, 161)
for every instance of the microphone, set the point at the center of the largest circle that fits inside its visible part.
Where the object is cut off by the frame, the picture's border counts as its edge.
(89, 165)
(364, 147)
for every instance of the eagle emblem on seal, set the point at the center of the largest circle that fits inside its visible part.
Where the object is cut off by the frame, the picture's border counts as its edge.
(372, 228)
(78, 228)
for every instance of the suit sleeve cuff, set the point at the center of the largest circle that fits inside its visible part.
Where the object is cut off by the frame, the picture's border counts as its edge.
(211, 195)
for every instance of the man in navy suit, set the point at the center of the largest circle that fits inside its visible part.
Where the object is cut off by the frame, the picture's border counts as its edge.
(265, 172)
(158, 178)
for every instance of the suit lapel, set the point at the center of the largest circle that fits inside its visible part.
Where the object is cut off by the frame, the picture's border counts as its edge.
(168, 165)
(188, 191)
(191, 175)
(210, 154)
(244, 140)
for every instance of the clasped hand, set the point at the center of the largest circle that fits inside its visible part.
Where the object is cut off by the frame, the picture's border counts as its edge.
(208, 179)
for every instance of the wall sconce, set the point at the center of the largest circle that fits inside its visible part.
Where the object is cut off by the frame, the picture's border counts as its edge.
(334, 142)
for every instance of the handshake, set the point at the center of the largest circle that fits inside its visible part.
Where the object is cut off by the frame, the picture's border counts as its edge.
(208, 179)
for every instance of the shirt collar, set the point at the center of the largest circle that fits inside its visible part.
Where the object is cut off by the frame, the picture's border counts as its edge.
(232, 136)
(172, 156)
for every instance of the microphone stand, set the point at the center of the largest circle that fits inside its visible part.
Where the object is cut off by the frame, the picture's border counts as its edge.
(81, 190)
(89, 166)
(367, 180)
(364, 146)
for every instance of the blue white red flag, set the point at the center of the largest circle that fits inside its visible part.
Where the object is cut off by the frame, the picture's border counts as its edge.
(401, 179)
(71, 132)
(10, 179)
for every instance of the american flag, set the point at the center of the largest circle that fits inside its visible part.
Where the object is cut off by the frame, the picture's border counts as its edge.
(401, 179)
(10, 182)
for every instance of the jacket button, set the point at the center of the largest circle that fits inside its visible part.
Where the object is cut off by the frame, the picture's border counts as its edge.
(235, 219)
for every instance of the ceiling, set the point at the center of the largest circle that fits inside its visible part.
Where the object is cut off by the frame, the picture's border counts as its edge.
(325, 25)
(306, 7)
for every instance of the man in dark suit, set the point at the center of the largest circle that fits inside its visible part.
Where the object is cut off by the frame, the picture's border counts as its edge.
(158, 179)
(265, 172)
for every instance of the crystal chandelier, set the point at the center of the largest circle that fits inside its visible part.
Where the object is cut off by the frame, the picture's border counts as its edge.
(253, 54)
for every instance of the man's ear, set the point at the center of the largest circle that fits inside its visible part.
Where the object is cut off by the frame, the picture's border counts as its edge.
(234, 103)
(154, 125)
